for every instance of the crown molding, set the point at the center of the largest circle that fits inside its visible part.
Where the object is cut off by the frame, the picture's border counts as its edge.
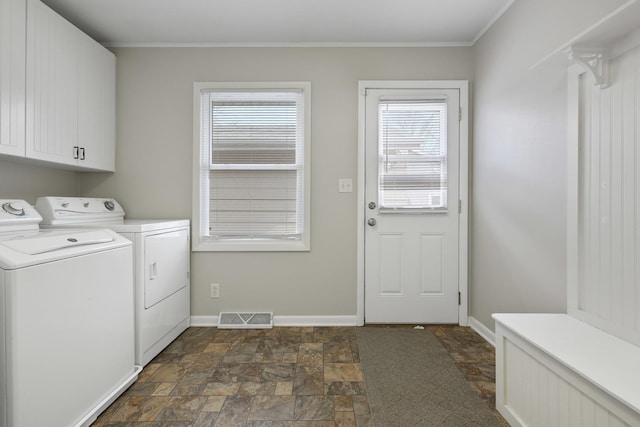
(294, 45)
(492, 21)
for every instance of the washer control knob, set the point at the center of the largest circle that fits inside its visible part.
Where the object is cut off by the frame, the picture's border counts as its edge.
(8, 208)
(85, 204)
(65, 204)
(109, 205)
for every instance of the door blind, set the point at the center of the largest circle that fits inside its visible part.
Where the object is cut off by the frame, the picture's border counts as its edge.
(412, 155)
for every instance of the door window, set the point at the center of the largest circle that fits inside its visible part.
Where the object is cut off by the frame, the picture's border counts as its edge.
(412, 153)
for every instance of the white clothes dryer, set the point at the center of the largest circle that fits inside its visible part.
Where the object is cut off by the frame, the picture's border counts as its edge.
(67, 330)
(161, 265)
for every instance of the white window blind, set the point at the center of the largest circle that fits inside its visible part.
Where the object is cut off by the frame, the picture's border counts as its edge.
(412, 169)
(252, 165)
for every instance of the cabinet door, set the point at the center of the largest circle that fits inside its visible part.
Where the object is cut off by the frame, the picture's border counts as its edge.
(12, 78)
(52, 86)
(97, 104)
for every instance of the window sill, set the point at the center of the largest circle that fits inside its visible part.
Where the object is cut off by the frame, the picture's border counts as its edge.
(244, 246)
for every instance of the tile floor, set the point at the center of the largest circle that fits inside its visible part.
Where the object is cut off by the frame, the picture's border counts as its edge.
(282, 377)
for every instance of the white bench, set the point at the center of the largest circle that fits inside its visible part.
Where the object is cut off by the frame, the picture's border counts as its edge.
(554, 370)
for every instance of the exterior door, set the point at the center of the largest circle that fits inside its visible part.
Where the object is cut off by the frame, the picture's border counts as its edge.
(411, 205)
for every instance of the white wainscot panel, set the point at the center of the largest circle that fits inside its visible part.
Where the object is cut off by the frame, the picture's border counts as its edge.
(605, 279)
(535, 396)
(534, 389)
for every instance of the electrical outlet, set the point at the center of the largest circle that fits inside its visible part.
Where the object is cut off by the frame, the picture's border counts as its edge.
(215, 290)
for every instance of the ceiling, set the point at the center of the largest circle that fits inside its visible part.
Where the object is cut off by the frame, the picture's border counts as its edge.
(273, 22)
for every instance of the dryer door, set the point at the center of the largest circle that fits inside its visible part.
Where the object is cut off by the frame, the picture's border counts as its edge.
(166, 258)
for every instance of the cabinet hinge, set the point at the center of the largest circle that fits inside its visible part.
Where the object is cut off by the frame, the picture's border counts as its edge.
(459, 298)
(459, 114)
(459, 206)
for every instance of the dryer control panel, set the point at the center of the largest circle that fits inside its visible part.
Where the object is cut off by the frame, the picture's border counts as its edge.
(76, 210)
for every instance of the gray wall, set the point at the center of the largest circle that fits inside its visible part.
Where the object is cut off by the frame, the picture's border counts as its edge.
(518, 223)
(518, 226)
(20, 180)
(154, 151)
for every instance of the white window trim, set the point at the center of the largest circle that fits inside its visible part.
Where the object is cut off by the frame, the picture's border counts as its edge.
(200, 244)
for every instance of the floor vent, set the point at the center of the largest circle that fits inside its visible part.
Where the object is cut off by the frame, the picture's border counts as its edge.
(245, 321)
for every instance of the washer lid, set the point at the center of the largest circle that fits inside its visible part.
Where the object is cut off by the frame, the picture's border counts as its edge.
(49, 243)
(37, 247)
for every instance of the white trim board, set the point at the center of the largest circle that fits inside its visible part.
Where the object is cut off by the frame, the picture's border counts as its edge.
(486, 333)
(608, 31)
(293, 44)
(298, 321)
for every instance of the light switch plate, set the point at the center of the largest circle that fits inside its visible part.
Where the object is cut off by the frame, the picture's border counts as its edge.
(345, 185)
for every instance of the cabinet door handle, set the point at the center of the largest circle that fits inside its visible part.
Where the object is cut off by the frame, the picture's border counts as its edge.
(76, 151)
(81, 153)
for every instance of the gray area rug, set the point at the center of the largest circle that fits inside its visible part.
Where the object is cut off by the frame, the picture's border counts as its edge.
(411, 380)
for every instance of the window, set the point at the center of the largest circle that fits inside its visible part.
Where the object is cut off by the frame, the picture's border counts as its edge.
(253, 161)
(412, 152)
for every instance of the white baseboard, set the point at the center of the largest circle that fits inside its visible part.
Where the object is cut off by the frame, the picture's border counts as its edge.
(287, 321)
(204, 321)
(315, 320)
(482, 330)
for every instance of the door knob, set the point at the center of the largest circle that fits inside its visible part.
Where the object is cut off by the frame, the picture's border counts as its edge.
(372, 205)
(371, 221)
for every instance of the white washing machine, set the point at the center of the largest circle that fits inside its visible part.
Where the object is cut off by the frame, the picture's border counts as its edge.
(161, 265)
(66, 334)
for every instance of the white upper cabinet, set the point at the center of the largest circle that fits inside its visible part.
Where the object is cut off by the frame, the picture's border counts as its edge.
(70, 94)
(52, 86)
(96, 106)
(12, 76)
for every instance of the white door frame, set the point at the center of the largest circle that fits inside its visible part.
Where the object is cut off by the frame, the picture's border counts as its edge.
(463, 246)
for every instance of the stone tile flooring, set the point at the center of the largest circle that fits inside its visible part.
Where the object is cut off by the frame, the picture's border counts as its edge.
(281, 377)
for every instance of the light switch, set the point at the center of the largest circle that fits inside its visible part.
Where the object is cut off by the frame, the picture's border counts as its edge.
(345, 185)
